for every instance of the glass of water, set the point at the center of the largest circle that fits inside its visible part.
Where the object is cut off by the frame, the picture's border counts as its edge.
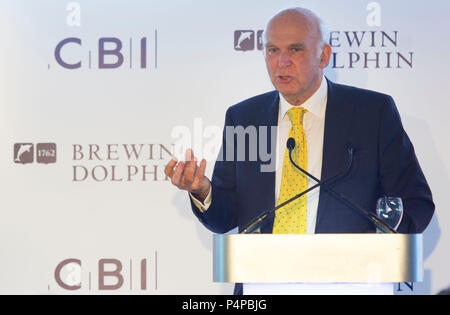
(390, 211)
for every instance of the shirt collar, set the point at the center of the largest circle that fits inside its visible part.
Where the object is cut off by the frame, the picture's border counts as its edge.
(315, 104)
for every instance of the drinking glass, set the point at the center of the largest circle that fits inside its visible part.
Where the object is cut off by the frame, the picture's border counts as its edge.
(390, 211)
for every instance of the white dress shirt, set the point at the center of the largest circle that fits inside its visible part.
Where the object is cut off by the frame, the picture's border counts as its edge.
(313, 124)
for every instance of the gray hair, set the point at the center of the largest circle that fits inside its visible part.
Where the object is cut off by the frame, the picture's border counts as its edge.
(324, 33)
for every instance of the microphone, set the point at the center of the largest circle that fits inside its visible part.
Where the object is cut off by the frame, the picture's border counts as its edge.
(255, 223)
(378, 223)
(290, 144)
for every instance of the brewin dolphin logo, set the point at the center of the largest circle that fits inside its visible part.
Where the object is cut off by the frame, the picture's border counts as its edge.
(23, 153)
(244, 40)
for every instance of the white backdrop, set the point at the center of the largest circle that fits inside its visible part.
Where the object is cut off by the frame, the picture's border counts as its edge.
(106, 196)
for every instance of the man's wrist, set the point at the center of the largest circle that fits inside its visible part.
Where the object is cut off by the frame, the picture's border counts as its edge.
(202, 195)
(202, 205)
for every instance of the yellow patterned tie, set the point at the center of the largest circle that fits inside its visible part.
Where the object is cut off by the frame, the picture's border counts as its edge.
(291, 219)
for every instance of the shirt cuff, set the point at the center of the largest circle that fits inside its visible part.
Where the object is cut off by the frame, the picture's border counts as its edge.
(202, 206)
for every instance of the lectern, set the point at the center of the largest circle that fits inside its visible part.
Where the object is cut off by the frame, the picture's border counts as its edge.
(318, 263)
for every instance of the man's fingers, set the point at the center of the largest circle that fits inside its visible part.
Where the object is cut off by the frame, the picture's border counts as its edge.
(190, 168)
(201, 169)
(199, 174)
(189, 173)
(178, 173)
(190, 158)
(186, 175)
(168, 170)
(189, 155)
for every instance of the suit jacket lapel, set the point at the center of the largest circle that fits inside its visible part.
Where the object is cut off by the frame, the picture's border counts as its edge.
(338, 119)
(269, 118)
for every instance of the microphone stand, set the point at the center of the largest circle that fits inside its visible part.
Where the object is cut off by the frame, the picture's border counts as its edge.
(378, 223)
(254, 224)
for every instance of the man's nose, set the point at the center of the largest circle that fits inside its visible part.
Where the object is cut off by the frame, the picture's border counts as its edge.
(284, 60)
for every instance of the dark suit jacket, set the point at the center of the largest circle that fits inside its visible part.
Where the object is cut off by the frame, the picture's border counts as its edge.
(384, 165)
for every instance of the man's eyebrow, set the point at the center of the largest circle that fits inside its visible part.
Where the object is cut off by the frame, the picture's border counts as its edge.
(297, 45)
(294, 45)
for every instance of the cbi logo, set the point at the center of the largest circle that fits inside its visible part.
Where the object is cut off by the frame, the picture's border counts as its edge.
(113, 274)
(111, 53)
(74, 53)
(245, 40)
(24, 153)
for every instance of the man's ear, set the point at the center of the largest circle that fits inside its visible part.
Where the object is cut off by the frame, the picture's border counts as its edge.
(325, 56)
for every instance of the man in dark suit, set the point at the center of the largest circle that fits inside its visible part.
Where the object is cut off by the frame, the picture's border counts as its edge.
(335, 118)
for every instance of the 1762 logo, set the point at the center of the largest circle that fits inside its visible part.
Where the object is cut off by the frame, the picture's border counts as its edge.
(24, 153)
